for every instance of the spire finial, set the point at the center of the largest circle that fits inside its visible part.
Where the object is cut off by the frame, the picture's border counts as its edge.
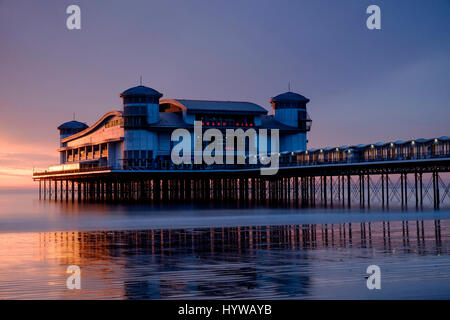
(140, 80)
(74, 116)
(289, 86)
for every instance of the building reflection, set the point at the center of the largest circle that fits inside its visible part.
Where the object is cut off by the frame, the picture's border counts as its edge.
(230, 261)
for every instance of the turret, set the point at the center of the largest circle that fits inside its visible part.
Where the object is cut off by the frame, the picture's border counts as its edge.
(289, 108)
(68, 129)
(140, 106)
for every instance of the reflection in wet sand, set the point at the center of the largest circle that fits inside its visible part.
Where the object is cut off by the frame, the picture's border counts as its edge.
(291, 261)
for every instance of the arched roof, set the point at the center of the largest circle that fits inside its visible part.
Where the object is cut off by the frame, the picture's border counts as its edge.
(205, 106)
(99, 122)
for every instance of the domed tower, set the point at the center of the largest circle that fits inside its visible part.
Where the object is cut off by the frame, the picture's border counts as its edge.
(289, 108)
(68, 129)
(140, 109)
(140, 106)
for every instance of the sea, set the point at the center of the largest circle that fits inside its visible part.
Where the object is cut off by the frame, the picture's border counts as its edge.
(218, 251)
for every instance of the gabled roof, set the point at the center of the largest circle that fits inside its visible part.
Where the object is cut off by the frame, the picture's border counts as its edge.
(210, 106)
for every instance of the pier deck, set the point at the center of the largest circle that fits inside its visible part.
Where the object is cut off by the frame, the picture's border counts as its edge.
(385, 181)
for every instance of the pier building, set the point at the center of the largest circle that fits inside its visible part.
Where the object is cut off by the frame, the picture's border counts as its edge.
(125, 156)
(139, 135)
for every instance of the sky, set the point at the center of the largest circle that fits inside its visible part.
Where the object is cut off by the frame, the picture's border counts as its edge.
(365, 85)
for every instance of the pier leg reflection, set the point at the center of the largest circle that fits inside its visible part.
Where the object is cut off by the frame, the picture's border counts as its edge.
(236, 262)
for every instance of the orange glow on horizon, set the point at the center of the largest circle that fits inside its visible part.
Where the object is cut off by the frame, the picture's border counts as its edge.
(17, 160)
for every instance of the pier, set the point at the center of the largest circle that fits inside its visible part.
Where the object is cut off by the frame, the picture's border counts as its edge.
(323, 179)
(128, 155)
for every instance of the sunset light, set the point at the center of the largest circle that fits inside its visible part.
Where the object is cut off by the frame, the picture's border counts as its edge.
(224, 159)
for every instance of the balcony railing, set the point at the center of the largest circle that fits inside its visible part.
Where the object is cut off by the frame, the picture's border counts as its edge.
(81, 170)
(285, 161)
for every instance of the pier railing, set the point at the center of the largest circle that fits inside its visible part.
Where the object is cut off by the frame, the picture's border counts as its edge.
(90, 169)
(383, 180)
(285, 161)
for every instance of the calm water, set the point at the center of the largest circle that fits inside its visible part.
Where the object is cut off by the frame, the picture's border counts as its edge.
(152, 252)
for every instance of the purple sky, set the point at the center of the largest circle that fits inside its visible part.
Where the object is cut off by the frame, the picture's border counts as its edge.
(365, 86)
